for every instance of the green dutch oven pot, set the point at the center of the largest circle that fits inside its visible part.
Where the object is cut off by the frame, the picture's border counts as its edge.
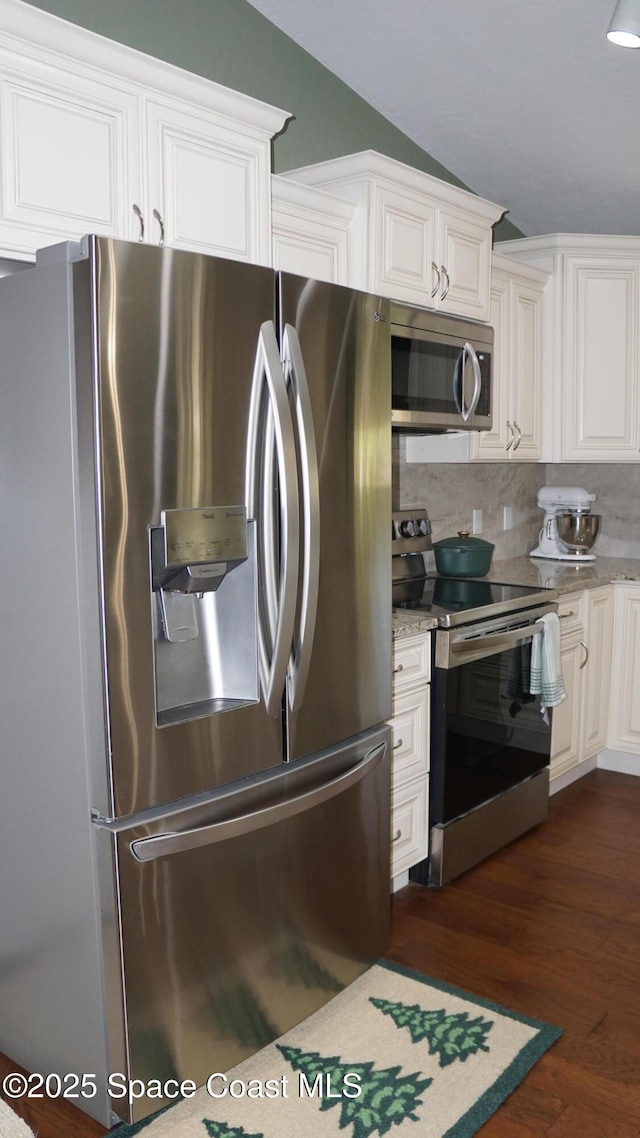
(463, 556)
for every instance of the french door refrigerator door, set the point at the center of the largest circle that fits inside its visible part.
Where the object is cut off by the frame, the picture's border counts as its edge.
(245, 913)
(181, 341)
(336, 350)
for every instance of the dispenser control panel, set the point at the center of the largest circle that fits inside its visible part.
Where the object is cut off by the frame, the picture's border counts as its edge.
(204, 535)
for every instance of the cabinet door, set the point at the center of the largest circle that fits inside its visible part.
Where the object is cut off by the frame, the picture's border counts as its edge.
(597, 671)
(404, 246)
(310, 232)
(464, 260)
(601, 373)
(496, 444)
(526, 379)
(209, 183)
(565, 729)
(624, 726)
(69, 152)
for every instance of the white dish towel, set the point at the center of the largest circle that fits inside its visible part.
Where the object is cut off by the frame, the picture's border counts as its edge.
(546, 664)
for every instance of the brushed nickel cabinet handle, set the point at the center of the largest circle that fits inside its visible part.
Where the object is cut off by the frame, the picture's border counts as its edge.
(519, 439)
(397, 744)
(512, 439)
(398, 834)
(436, 286)
(586, 655)
(400, 668)
(448, 282)
(161, 224)
(138, 213)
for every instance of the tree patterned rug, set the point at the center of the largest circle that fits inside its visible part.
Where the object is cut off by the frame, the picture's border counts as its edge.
(394, 1049)
(10, 1125)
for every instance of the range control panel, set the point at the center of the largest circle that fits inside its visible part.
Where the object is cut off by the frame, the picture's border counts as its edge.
(410, 531)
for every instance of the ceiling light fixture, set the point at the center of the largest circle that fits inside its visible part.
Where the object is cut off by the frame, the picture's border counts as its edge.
(624, 29)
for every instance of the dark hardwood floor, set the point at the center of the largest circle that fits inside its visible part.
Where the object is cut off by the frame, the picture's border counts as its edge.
(549, 927)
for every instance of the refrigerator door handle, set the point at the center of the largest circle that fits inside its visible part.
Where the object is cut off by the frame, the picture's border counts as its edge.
(296, 377)
(270, 421)
(159, 845)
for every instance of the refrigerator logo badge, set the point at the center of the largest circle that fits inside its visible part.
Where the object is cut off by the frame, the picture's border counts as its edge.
(379, 318)
(208, 515)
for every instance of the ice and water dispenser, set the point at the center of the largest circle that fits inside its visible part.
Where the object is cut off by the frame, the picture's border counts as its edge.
(204, 602)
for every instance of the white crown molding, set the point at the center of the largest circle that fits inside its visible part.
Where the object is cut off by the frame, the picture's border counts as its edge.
(369, 165)
(285, 192)
(555, 244)
(510, 265)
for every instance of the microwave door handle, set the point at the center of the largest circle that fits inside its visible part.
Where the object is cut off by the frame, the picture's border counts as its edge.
(457, 384)
(270, 423)
(468, 352)
(296, 376)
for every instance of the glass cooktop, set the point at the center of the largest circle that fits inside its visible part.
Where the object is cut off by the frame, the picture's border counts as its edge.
(459, 600)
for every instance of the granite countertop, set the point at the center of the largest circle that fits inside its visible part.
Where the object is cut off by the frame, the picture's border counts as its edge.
(563, 576)
(406, 623)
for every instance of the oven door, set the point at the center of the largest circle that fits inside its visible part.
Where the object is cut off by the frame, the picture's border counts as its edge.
(488, 732)
(490, 745)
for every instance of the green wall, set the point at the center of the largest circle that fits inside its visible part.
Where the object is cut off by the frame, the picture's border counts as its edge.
(230, 42)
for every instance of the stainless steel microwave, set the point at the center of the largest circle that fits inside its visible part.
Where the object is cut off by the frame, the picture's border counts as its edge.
(441, 371)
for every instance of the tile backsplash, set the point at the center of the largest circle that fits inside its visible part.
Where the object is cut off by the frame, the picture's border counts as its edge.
(452, 491)
(617, 490)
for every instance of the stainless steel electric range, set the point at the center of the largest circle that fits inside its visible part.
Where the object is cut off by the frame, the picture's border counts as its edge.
(490, 742)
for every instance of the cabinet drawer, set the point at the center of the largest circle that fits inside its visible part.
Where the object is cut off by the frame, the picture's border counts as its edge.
(571, 613)
(411, 662)
(409, 813)
(410, 736)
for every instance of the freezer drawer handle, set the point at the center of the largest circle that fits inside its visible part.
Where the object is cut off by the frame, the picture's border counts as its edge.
(148, 849)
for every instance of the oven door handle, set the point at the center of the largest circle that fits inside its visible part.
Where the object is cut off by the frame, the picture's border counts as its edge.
(451, 653)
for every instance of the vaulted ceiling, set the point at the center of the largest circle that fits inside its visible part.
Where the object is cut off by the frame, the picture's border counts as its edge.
(525, 101)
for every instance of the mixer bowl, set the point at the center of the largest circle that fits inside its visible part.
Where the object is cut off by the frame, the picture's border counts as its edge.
(577, 531)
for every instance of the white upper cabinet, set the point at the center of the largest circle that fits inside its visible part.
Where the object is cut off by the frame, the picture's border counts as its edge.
(517, 296)
(98, 138)
(415, 238)
(310, 231)
(593, 365)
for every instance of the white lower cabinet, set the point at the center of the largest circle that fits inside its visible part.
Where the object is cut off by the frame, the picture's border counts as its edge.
(410, 755)
(580, 722)
(624, 724)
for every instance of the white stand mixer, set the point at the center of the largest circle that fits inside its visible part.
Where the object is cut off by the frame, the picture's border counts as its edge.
(556, 500)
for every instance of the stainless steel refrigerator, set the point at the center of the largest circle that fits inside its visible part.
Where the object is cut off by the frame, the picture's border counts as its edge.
(195, 617)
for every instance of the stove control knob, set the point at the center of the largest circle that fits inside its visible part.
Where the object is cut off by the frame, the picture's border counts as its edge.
(408, 529)
(422, 527)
